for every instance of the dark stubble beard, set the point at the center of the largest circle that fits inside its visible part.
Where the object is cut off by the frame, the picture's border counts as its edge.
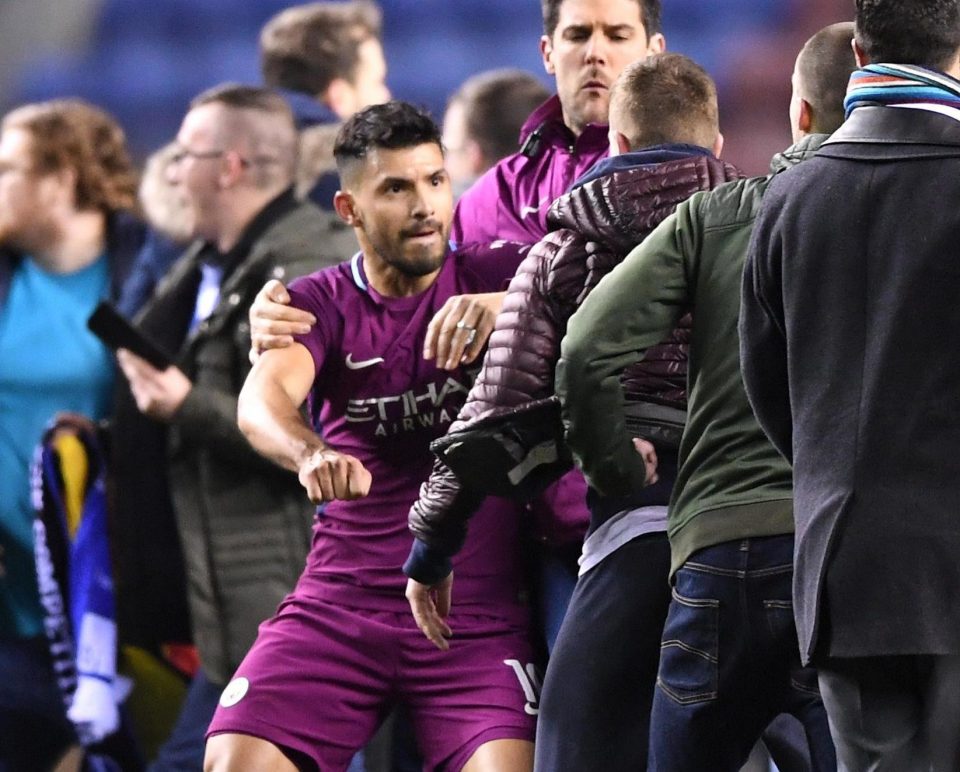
(421, 263)
(417, 265)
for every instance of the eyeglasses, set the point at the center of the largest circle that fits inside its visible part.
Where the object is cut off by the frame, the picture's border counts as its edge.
(183, 154)
(199, 155)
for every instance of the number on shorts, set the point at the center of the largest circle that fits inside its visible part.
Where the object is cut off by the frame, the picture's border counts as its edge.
(529, 682)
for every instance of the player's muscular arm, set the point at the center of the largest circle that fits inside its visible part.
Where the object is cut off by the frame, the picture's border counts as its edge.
(268, 408)
(269, 415)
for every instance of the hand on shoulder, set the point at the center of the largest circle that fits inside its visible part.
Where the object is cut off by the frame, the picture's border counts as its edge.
(273, 322)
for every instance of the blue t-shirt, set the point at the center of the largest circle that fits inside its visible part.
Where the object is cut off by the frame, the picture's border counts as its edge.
(49, 362)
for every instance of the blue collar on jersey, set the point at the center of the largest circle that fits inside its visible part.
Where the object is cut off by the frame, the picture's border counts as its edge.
(357, 271)
(356, 267)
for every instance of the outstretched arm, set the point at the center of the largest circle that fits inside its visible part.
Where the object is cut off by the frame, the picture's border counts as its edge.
(269, 415)
(455, 337)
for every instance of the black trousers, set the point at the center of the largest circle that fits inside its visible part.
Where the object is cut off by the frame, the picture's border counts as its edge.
(896, 714)
(599, 684)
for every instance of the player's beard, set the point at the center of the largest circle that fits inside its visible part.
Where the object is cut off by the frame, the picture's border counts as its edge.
(414, 259)
(419, 264)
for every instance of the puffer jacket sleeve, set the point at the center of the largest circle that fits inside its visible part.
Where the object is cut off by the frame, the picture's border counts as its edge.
(525, 343)
(518, 368)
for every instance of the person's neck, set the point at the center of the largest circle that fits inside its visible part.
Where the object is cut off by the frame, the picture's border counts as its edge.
(575, 128)
(236, 217)
(391, 282)
(75, 243)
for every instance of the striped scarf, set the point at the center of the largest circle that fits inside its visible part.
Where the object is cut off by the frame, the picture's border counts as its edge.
(900, 84)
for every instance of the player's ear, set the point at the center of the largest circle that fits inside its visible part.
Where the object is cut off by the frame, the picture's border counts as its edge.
(346, 208)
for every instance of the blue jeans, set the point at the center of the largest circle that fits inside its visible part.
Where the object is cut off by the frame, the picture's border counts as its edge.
(595, 706)
(730, 661)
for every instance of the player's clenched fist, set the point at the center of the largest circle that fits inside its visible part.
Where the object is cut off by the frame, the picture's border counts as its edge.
(328, 475)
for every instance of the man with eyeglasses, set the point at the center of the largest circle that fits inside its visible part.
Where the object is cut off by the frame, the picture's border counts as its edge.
(244, 523)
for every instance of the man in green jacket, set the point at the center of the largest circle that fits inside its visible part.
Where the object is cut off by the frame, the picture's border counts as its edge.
(729, 659)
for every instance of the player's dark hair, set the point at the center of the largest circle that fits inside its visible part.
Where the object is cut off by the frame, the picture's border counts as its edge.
(392, 126)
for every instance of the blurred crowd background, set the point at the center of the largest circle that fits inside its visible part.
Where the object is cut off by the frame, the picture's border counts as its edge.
(144, 59)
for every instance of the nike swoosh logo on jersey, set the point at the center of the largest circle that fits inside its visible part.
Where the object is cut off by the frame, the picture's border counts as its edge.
(364, 363)
(528, 210)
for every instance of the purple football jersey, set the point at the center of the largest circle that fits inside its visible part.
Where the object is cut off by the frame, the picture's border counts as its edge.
(376, 398)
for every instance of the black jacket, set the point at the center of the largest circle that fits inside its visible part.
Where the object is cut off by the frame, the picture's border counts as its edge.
(848, 333)
(244, 523)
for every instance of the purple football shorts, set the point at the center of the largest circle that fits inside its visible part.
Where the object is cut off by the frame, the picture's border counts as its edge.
(320, 677)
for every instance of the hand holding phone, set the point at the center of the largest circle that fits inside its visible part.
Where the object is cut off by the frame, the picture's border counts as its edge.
(116, 332)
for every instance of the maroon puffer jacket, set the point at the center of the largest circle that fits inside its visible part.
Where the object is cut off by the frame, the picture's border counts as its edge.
(597, 224)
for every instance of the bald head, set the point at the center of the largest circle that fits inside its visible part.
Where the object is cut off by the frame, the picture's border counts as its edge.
(820, 79)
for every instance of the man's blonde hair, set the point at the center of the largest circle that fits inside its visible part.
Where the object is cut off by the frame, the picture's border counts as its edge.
(664, 99)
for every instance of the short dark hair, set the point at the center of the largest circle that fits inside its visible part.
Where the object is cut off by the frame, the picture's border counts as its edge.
(306, 47)
(824, 66)
(663, 99)
(650, 15)
(393, 125)
(495, 106)
(925, 33)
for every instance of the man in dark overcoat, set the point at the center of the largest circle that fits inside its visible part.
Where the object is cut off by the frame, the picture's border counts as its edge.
(848, 330)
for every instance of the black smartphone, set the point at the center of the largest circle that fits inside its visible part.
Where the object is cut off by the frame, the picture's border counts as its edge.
(115, 331)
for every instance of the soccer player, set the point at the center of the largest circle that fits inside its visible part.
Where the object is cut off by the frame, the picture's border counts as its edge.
(342, 647)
